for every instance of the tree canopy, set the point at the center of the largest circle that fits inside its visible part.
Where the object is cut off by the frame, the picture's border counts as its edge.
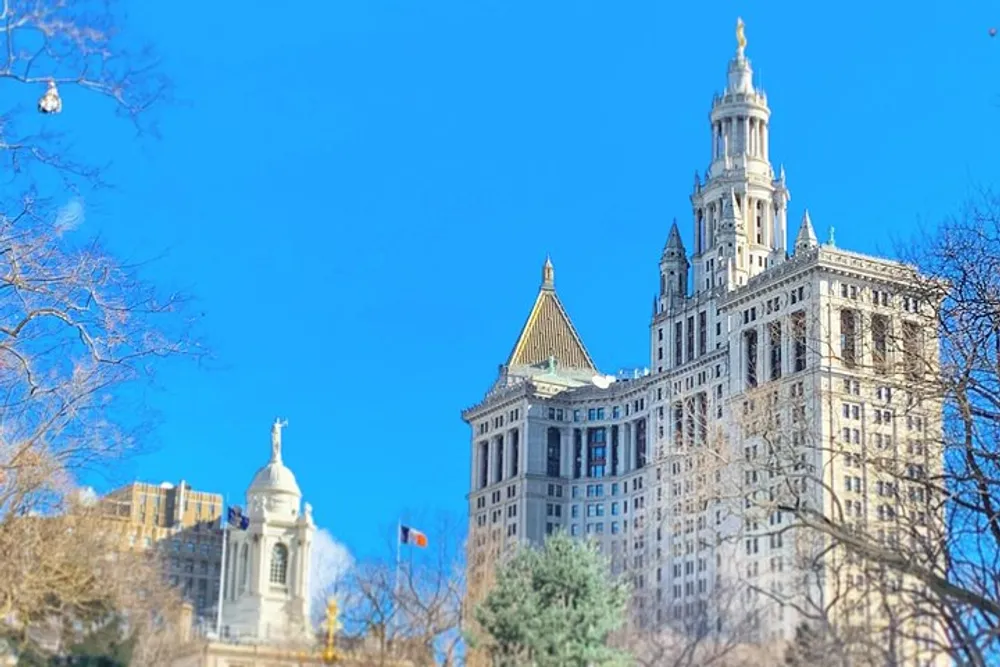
(553, 606)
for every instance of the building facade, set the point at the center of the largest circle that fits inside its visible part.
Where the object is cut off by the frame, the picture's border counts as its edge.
(773, 379)
(180, 521)
(266, 594)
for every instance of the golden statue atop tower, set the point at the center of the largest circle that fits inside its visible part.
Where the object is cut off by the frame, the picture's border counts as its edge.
(741, 40)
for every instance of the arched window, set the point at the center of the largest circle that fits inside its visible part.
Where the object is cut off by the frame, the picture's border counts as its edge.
(279, 564)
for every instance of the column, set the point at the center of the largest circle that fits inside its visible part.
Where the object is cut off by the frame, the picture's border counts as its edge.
(764, 138)
(578, 435)
(746, 135)
(301, 589)
(783, 224)
(491, 460)
(307, 549)
(505, 472)
(235, 576)
(292, 573)
(255, 563)
(474, 482)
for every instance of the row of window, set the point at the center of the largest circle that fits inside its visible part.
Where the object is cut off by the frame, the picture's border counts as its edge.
(498, 421)
(775, 342)
(595, 490)
(597, 414)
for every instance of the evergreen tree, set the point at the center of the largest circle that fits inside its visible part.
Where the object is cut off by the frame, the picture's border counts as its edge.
(553, 607)
(804, 650)
(106, 645)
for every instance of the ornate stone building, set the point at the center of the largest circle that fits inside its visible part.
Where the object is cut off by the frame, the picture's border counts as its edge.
(266, 592)
(758, 351)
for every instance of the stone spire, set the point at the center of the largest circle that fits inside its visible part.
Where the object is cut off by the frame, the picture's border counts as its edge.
(548, 274)
(806, 238)
(674, 267)
(731, 207)
(674, 243)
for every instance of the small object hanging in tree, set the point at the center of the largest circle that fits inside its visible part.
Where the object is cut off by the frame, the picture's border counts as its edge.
(50, 102)
(993, 32)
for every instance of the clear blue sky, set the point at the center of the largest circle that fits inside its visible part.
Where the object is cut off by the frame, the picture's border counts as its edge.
(361, 194)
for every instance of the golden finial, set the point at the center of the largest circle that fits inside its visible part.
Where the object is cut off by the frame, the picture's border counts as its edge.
(332, 626)
(741, 40)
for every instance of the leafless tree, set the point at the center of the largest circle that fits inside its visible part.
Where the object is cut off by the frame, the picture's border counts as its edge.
(82, 50)
(698, 640)
(896, 499)
(64, 575)
(79, 328)
(411, 609)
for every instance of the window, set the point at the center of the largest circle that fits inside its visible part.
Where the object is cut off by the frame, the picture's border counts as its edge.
(799, 336)
(775, 340)
(913, 350)
(279, 564)
(848, 337)
(690, 338)
(880, 337)
(702, 332)
(678, 344)
(750, 354)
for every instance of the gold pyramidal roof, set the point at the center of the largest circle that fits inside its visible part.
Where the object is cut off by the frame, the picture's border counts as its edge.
(549, 333)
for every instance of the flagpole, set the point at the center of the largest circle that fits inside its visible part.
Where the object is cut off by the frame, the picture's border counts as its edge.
(223, 519)
(399, 560)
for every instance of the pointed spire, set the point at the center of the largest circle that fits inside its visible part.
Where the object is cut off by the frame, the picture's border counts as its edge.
(781, 174)
(806, 238)
(731, 207)
(697, 182)
(548, 333)
(833, 239)
(674, 241)
(548, 274)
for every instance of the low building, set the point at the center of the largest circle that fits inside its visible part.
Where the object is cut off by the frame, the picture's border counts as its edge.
(183, 524)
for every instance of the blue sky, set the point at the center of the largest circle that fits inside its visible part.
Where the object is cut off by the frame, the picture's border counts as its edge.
(361, 194)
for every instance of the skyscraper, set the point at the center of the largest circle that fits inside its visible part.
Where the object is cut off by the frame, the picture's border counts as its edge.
(772, 380)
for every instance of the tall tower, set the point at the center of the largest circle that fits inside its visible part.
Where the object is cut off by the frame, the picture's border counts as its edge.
(740, 211)
(267, 574)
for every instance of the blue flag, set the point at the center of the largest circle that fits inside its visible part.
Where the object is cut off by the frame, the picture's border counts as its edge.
(237, 519)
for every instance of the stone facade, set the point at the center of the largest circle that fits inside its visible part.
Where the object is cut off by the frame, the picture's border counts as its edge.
(659, 467)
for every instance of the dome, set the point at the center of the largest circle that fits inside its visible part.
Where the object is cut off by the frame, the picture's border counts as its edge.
(275, 477)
